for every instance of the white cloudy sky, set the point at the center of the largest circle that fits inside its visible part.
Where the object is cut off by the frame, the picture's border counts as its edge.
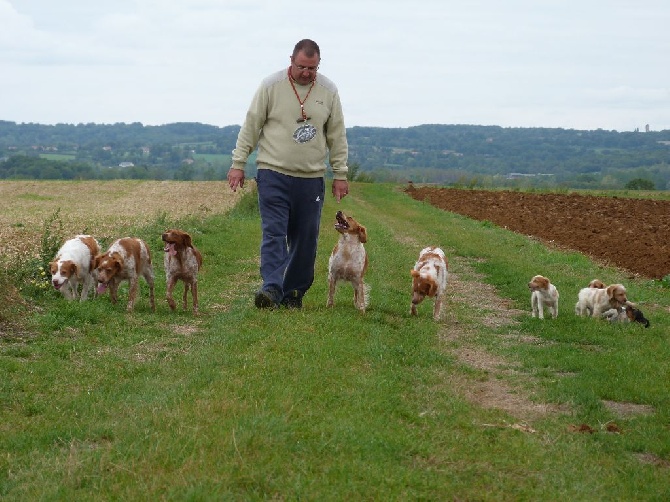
(584, 64)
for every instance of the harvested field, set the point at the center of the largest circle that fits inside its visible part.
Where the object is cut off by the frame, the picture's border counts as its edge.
(628, 233)
(102, 208)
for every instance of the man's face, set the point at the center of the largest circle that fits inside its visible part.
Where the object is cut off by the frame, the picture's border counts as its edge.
(303, 68)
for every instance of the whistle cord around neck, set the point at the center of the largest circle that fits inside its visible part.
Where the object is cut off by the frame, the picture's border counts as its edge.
(304, 116)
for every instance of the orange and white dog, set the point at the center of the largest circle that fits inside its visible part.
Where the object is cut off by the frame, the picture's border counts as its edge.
(597, 283)
(126, 260)
(349, 260)
(595, 301)
(543, 294)
(182, 261)
(74, 265)
(429, 279)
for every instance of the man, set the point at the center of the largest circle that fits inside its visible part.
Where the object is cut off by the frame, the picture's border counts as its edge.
(296, 120)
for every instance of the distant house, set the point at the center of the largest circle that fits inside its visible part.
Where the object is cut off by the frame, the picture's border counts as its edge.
(126, 164)
(516, 176)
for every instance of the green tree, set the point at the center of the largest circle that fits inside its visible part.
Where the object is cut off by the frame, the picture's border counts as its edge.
(640, 184)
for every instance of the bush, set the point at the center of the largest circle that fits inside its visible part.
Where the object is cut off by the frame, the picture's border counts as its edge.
(640, 184)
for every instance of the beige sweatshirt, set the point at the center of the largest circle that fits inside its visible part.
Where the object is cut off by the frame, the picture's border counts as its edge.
(291, 147)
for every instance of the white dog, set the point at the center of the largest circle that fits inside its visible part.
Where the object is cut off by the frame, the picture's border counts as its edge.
(73, 265)
(543, 294)
(595, 301)
(349, 260)
(126, 260)
(429, 279)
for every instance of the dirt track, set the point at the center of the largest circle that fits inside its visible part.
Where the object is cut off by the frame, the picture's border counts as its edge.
(633, 234)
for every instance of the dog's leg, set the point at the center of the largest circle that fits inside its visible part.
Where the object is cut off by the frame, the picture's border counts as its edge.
(168, 292)
(113, 291)
(359, 296)
(533, 304)
(194, 294)
(132, 293)
(332, 282)
(86, 287)
(437, 308)
(185, 296)
(67, 290)
(74, 282)
(149, 277)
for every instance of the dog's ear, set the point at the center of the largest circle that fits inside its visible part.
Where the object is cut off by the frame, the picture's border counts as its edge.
(432, 291)
(186, 238)
(610, 291)
(362, 234)
(414, 273)
(73, 268)
(95, 262)
(118, 261)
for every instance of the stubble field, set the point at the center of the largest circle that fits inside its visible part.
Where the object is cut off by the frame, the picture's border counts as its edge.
(104, 209)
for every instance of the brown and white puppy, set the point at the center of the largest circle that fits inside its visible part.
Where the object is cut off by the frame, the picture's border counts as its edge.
(543, 294)
(429, 279)
(182, 261)
(126, 260)
(349, 260)
(594, 301)
(73, 265)
(597, 283)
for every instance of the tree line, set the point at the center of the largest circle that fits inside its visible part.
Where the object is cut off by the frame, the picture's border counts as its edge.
(437, 153)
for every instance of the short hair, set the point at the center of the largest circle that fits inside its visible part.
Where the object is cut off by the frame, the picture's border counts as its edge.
(309, 47)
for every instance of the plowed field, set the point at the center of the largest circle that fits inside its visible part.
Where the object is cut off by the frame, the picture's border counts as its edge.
(633, 234)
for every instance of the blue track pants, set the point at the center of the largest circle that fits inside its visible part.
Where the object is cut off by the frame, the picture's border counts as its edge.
(290, 209)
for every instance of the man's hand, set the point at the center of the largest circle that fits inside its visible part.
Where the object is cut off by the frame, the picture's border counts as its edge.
(340, 189)
(235, 179)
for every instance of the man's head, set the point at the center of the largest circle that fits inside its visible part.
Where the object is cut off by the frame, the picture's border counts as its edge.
(305, 61)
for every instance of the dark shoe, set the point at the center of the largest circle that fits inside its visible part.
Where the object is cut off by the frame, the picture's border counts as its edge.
(266, 299)
(292, 300)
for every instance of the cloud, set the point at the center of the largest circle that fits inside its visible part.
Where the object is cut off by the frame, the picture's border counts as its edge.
(559, 64)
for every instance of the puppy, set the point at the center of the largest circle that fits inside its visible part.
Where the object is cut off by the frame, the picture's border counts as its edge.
(543, 294)
(596, 283)
(126, 260)
(73, 265)
(182, 261)
(629, 313)
(429, 278)
(349, 260)
(635, 315)
(594, 301)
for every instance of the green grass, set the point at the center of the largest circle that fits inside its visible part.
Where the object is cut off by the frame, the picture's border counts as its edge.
(58, 156)
(329, 404)
(214, 158)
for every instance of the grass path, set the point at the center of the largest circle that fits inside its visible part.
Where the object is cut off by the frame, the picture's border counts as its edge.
(329, 404)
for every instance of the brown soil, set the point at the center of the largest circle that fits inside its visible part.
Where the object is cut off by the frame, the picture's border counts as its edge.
(628, 233)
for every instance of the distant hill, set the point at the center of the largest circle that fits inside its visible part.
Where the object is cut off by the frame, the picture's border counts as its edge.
(432, 152)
